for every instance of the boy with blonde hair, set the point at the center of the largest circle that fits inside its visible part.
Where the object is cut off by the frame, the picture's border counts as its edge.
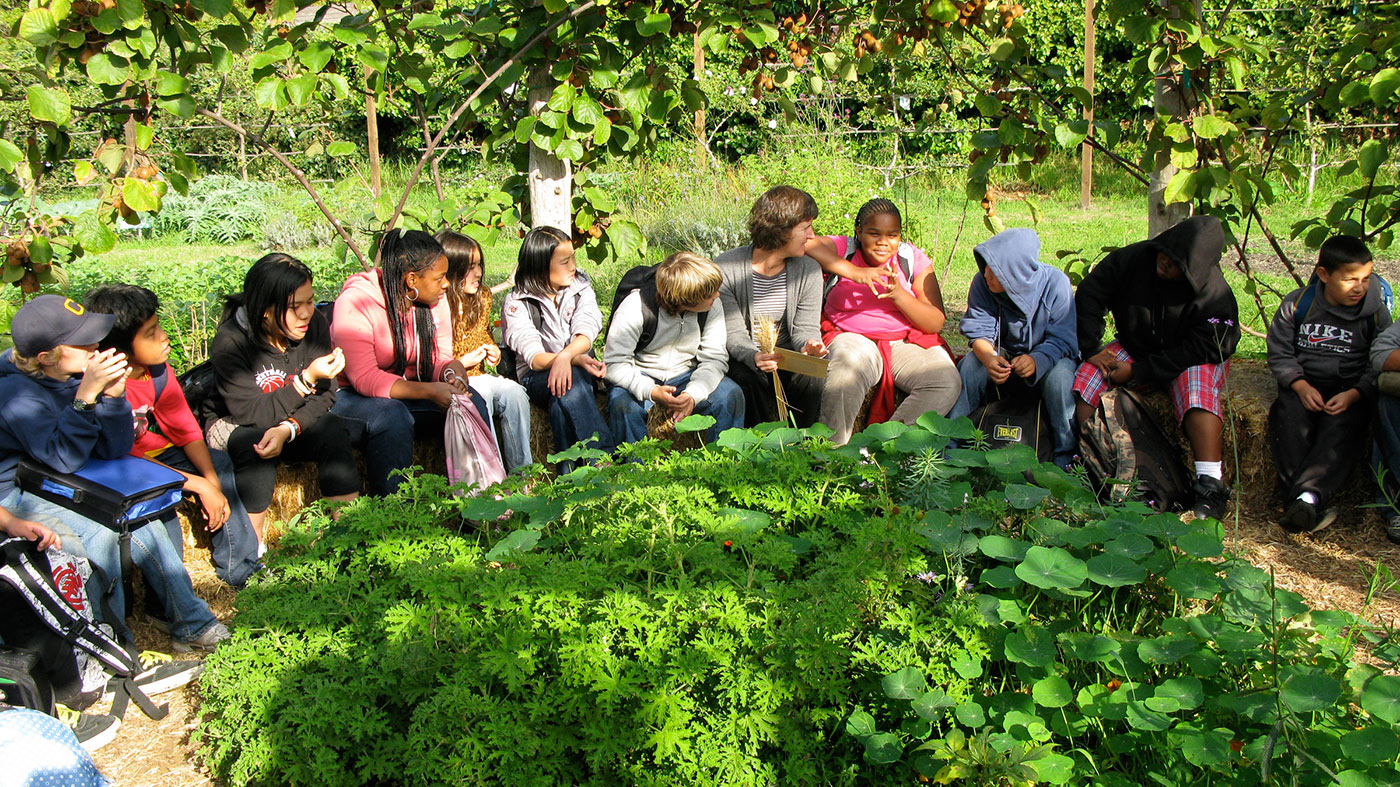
(666, 345)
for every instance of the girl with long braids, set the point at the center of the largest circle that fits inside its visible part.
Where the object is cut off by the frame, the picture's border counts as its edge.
(395, 329)
(882, 321)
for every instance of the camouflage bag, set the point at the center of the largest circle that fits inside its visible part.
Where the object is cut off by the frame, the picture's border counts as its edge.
(1127, 455)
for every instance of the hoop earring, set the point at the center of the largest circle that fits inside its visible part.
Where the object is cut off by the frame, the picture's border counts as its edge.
(414, 296)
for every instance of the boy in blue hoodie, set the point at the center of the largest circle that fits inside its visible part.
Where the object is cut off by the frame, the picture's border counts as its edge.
(62, 403)
(1020, 322)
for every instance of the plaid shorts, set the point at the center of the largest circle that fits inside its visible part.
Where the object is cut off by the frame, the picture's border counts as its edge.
(1198, 386)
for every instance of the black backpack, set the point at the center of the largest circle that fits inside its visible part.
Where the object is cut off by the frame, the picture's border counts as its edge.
(643, 278)
(1128, 456)
(23, 682)
(28, 586)
(1015, 415)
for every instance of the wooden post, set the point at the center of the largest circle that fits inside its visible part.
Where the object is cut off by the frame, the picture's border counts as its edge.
(1086, 153)
(702, 148)
(372, 133)
(243, 156)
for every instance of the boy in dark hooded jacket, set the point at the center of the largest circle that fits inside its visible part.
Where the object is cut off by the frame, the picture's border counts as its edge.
(1319, 351)
(1020, 322)
(1177, 326)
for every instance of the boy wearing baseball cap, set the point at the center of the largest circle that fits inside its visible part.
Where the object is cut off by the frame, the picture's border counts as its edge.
(62, 403)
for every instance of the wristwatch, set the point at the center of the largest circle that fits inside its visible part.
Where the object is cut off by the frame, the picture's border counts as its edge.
(82, 406)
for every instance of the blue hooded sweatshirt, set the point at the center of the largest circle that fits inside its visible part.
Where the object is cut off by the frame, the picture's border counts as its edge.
(1035, 315)
(37, 419)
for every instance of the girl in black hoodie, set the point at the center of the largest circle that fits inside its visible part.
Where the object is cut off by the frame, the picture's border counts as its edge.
(1177, 325)
(276, 371)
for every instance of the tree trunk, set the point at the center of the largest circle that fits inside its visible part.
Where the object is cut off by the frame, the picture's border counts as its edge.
(550, 178)
(1173, 99)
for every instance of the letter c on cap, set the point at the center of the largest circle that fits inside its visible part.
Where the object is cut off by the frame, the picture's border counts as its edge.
(73, 306)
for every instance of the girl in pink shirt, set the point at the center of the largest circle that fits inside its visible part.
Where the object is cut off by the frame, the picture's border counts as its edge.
(882, 321)
(394, 326)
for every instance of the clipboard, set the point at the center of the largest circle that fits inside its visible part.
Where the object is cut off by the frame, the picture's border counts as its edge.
(800, 363)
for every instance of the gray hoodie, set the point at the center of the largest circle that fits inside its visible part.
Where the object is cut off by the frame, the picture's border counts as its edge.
(1330, 345)
(571, 313)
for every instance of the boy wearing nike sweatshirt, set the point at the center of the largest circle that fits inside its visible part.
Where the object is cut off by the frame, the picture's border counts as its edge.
(1319, 351)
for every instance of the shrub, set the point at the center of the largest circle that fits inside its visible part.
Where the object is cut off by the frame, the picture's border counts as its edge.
(701, 618)
(218, 208)
(773, 610)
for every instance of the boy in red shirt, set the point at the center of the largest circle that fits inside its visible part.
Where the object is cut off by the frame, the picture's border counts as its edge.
(168, 432)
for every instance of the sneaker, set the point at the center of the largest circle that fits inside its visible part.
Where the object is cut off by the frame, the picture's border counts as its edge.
(1327, 517)
(1212, 497)
(208, 639)
(1299, 517)
(165, 674)
(92, 730)
(1392, 527)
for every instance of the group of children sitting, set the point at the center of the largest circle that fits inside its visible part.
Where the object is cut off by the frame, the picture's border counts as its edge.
(695, 336)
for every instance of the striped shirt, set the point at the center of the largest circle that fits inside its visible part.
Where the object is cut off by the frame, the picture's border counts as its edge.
(770, 300)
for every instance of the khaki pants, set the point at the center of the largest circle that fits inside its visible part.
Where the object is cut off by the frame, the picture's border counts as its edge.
(928, 376)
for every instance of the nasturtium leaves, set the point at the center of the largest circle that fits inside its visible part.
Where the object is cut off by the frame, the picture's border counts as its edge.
(1130, 545)
(1115, 571)
(1186, 693)
(517, 542)
(694, 423)
(1203, 748)
(1089, 647)
(1371, 745)
(1199, 543)
(906, 684)
(1141, 717)
(1193, 580)
(1030, 645)
(1025, 496)
(1000, 547)
(1052, 692)
(1381, 698)
(933, 705)
(970, 714)
(1051, 567)
(1166, 650)
(860, 724)
(883, 748)
(1054, 768)
(1305, 689)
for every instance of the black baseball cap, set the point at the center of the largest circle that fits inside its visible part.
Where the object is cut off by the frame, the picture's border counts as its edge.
(50, 320)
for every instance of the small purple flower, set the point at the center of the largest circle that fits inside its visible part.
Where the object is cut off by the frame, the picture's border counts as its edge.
(927, 577)
(1214, 321)
(1229, 322)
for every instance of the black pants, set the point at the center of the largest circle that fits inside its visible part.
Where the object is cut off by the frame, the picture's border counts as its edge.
(803, 393)
(325, 442)
(1313, 451)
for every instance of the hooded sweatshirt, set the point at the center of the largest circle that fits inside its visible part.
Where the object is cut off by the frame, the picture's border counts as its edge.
(1332, 345)
(573, 312)
(678, 346)
(37, 419)
(360, 327)
(1035, 315)
(1166, 326)
(255, 379)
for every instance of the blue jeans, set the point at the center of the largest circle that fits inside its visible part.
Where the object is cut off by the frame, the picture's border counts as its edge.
(1056, 390)
(384, 430)
(629, 416)
(508, 414)
(151, 551)
(574, 416)
(233, 548)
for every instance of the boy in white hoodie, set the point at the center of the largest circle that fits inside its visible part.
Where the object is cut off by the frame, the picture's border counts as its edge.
(667, 346)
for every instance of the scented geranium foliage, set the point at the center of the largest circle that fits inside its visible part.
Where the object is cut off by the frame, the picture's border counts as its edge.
(775, 610)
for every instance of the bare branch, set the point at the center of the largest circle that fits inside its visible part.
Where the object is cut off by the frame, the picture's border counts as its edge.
(301, 178)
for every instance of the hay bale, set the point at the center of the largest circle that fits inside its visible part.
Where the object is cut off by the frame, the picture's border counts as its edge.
(661, 428)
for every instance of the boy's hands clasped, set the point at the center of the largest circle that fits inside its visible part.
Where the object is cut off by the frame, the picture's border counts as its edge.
(1312, 398)
(105, 373)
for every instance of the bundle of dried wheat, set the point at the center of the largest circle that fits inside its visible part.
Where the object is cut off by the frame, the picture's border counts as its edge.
(765, 335)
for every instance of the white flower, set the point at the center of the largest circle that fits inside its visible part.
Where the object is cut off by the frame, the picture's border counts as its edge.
(753, 101)
(773, 124)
